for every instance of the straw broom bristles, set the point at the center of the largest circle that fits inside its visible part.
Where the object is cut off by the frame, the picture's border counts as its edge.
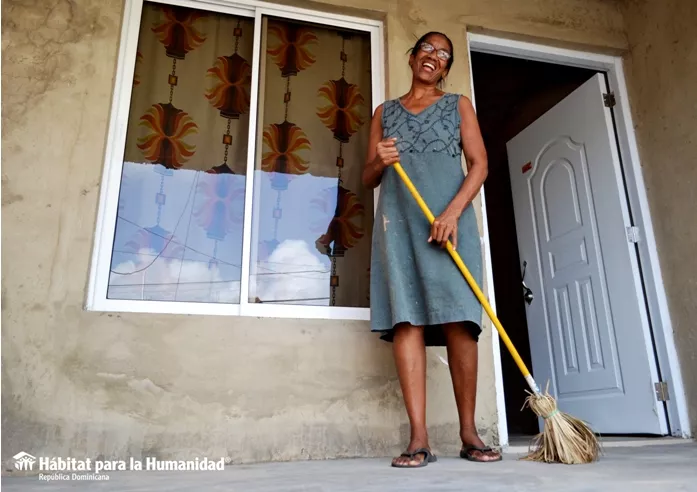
(564, 439)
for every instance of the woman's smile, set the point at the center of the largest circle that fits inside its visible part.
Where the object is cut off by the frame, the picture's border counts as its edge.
(429, 66)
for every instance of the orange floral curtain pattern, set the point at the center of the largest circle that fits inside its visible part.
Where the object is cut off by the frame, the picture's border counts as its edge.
(189, 112)
(316, 108)
(190, 100)
(181, 201)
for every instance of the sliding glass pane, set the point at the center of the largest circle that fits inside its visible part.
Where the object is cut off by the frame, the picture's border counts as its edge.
(181, 204)
(312, 218)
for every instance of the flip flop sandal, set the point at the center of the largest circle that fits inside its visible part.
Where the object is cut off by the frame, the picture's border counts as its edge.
(428, 458)
(466, 455)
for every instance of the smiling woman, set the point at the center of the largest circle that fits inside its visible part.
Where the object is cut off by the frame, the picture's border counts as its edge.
(429, 66)
(418, 297)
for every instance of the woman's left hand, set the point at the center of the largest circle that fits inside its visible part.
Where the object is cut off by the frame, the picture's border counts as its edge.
(444, 228)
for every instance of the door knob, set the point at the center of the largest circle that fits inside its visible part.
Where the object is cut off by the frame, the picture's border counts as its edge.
(528, 296)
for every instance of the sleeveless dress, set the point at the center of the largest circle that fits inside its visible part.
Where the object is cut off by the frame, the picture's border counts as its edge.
(411, 280)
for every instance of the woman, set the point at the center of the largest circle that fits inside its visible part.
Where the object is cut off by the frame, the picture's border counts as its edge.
(418, 296)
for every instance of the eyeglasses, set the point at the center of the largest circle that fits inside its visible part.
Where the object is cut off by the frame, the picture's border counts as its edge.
(441, 53)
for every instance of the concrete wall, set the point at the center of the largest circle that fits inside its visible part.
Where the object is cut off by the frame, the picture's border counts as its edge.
(662, 79)
(77, 382)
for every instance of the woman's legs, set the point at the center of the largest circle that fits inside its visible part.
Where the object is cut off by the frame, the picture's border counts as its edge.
(462, 359)
(410, 358)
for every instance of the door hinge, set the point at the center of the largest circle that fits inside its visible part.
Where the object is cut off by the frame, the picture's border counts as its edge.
(609, 100)
(662, 391)
(633, 234)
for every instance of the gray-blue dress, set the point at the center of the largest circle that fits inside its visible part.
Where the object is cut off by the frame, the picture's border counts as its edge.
(411, 280)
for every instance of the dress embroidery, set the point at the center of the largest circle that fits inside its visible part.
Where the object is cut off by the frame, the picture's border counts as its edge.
(435, 129)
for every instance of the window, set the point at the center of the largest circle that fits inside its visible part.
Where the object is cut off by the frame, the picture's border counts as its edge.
(233, 175)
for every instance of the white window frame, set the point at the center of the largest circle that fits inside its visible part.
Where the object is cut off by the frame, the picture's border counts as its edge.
(115, 147)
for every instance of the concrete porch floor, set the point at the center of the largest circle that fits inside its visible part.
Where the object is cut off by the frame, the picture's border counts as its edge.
(638, 468)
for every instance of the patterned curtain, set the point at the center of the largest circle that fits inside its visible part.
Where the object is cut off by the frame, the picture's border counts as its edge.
(190, 101)
(181, 205)
(313, 208)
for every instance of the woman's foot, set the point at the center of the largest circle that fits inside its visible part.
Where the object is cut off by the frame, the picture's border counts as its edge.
(474, 449)
(410, 459)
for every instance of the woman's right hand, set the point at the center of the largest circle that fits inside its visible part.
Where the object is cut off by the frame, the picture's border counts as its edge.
(382, 153)
(387, 153)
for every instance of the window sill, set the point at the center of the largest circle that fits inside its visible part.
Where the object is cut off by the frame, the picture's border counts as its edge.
(241, 310)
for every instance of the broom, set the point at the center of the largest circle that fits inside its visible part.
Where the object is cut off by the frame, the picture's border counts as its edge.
(564, 438)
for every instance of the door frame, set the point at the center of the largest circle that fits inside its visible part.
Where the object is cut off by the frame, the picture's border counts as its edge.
(657, 319)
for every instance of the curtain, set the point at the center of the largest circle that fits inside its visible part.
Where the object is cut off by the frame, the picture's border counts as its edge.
(316, 111)
(181, 204)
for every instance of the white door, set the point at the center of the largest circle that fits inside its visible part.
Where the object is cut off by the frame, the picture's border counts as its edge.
(589, 333)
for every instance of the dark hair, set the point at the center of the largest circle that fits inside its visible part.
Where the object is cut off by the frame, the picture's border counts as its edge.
(423, 38)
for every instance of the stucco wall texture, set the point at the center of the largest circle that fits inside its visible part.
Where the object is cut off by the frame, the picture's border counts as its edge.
(79, 383)
(661, 72)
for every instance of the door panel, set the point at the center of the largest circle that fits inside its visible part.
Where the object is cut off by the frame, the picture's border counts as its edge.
(588, 326)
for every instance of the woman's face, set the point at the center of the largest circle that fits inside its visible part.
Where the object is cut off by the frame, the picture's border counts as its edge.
(429, 65)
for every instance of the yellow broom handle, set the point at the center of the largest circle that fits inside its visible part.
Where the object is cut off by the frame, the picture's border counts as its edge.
(470, 280)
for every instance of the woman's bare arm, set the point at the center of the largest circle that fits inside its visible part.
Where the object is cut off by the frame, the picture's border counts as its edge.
(475, 156)
(445, 225)
(374, 163)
